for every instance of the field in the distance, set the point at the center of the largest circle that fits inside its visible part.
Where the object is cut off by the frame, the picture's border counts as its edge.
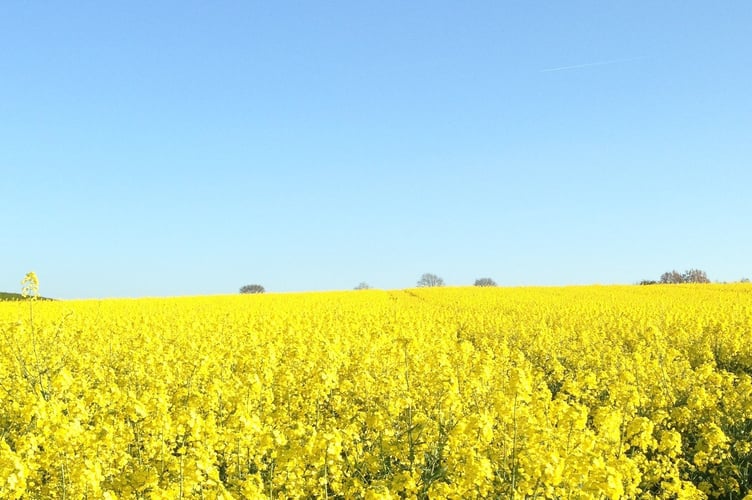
(578, 392)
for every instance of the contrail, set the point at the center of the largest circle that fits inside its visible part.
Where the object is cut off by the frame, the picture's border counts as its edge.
(588, 65)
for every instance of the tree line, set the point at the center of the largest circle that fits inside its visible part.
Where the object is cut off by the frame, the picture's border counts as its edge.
(428, 280)
(691, 276)
(674, 277)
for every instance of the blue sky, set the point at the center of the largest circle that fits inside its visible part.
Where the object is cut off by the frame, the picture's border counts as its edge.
(184, 148)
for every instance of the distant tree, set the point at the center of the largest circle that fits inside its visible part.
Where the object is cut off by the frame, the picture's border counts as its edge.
(671, 278)
(429, 280)
(690, 276)
(744, 280)
(252, 289)
(362, 286)
(695, 276)
(648, 282)
(485, 282)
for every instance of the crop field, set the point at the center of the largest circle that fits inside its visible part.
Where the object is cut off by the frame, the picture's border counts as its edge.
(576, 392)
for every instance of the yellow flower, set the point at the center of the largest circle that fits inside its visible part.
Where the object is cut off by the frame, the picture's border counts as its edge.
(30, 285)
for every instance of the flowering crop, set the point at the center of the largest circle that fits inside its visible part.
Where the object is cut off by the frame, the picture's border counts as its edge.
(580, 392)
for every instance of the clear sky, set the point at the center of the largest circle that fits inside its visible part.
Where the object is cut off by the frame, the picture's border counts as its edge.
(192, 147)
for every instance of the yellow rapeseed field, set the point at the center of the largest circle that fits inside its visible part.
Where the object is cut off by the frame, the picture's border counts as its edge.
(577, 392)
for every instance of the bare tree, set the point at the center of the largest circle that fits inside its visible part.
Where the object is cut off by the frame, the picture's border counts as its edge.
(695, 276)
(362, 286)
(485, 282)
(252, 289)
(429, 280)
(690, 276)
(672, 278)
